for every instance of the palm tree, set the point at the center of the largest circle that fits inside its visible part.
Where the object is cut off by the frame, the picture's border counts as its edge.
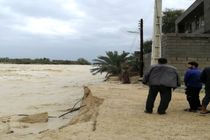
(110, 64)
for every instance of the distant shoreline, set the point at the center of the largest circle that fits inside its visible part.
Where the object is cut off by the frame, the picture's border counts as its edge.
(80, 61)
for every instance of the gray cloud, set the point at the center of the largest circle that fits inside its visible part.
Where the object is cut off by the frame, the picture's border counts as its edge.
(68, 29)
(37, 8)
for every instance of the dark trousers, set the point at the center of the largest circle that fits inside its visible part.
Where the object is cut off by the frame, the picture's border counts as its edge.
(165, 98)
(192, 95)
(206, 98)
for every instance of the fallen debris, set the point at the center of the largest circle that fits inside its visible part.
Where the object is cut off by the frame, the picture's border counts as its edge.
(35, 118)
(72, 110)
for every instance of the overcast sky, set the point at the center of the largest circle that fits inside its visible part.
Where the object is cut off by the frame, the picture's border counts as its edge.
(70, 29)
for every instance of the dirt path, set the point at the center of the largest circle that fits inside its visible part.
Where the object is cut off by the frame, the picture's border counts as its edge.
(121, 117)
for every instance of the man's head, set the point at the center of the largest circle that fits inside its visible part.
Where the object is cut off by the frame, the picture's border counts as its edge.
(162, 61)
(192, 64)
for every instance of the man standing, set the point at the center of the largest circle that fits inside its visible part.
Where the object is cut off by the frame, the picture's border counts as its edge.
(193, 86)
(160, 78)
(205, 78)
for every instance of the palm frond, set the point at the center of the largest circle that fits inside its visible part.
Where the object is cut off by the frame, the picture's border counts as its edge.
(111, 63)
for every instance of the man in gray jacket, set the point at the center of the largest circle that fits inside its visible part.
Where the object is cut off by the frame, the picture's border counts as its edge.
(160, 78)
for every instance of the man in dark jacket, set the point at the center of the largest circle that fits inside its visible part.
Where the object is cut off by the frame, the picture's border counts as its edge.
(160, 78)
(193, 86)
(205, 78)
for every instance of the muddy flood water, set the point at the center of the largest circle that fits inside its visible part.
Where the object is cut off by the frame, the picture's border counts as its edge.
(31, 89)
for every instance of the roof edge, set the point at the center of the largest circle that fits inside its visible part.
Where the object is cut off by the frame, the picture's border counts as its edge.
(189, 10)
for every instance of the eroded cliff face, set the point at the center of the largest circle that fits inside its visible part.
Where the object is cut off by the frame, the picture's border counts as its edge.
(90, 110)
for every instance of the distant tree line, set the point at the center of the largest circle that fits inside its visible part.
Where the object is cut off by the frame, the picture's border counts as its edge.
(6, 60)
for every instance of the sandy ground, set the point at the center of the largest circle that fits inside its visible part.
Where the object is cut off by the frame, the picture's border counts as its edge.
(121, 117)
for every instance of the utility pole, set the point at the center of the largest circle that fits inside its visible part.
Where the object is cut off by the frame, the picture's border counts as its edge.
(157, 31)
(141, 58)
(141, 55)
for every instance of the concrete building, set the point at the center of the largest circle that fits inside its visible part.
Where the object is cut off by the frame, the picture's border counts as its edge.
(191, 42)
(196, 19)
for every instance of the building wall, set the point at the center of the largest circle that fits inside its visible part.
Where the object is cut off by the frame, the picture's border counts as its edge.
(207, 15)
(179, 49)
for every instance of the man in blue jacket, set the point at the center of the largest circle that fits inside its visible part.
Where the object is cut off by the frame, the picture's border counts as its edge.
(160, 78)
(193, 86)
(205, 78)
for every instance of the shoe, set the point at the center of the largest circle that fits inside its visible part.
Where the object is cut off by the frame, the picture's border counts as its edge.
(190, 110)
(205, 112)
(146, 111)
(199, 108)
(161, 113)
